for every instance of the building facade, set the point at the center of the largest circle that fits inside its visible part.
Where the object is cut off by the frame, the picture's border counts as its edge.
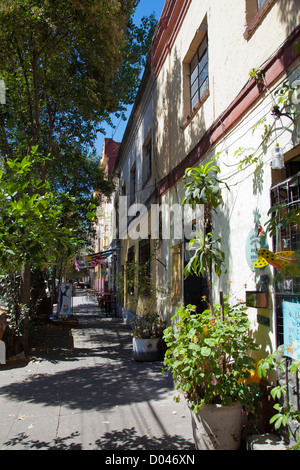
(216, 85)
(105, 244)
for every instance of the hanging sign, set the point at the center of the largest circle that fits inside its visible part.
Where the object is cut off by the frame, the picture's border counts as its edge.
(291, 329)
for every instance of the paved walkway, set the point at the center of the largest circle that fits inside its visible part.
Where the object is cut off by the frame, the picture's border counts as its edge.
(82, 390)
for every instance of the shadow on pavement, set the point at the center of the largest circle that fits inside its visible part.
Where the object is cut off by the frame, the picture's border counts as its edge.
(108, 376)
(125, 439)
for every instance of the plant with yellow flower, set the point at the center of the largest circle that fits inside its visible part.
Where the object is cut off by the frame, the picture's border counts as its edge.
(210, 358)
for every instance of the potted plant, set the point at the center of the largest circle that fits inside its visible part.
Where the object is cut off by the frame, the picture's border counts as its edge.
(137, 285)
(287, 415)
(203, 187)
(209, 361)
(147, 332)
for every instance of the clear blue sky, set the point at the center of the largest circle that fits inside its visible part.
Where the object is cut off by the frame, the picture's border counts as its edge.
(145, 8)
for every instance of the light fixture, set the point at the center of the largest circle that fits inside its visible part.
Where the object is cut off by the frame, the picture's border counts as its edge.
(277, 158)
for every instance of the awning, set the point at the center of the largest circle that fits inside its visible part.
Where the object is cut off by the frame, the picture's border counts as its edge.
(92, 260)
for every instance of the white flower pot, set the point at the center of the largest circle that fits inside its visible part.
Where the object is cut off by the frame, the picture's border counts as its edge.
(217, 427)
(147, 350)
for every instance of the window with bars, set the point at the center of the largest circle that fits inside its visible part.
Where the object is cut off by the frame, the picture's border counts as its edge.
(286, 195)
(199, 73)
(287, 238)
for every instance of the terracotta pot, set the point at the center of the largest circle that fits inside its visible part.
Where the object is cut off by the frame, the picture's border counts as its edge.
(147, 350)
(217, 427)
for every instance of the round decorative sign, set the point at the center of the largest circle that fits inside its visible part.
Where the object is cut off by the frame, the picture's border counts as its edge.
(253, 244)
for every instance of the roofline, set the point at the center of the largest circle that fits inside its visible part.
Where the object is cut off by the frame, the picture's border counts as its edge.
(138, 99)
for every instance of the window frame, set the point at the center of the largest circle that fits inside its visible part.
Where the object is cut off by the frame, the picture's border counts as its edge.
(258, 17)
(147, 161)
(259, 4)
(133, 186)
(201, 55)
(177, 275)
(188, 113)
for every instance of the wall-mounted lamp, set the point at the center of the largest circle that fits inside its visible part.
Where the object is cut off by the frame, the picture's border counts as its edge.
(277, 158)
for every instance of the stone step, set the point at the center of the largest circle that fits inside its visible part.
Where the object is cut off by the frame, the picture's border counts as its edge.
(266, 442)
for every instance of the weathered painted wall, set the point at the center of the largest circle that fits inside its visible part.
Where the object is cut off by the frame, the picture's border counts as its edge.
(239, 39)
(231, 57)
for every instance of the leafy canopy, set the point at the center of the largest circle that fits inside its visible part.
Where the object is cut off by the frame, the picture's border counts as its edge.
(32, 228)
(67, 66)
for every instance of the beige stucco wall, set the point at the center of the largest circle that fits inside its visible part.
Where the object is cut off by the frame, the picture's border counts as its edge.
(230, 59)
(163, 112)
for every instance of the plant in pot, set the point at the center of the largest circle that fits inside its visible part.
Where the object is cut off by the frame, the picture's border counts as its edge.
(147, 325)
(209, 361)
(287, 414)
(147, 331)
(203, 187)
(208, 353)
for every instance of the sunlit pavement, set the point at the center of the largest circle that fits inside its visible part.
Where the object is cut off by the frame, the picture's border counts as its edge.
(84, 391)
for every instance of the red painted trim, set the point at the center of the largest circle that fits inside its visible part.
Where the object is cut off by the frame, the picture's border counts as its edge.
(258, 18)
(168, 27)
(272, 70)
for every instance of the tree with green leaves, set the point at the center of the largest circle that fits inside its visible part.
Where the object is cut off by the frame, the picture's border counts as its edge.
(203, 187)
(33, 232)
(67, 66)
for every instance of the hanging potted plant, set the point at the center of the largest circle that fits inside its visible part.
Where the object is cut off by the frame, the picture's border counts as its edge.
(209, 361)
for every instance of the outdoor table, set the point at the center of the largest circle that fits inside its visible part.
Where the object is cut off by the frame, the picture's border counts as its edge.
(108, 300)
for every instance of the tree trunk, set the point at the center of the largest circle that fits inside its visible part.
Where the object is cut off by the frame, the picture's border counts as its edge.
(25, 305)
(210, 290)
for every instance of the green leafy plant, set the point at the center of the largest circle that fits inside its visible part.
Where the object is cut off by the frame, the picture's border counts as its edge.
(206, 255)
(285, 414)
(149, 325)
(209, 359)
(32, 229)
(204, 188)
(136, 281)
